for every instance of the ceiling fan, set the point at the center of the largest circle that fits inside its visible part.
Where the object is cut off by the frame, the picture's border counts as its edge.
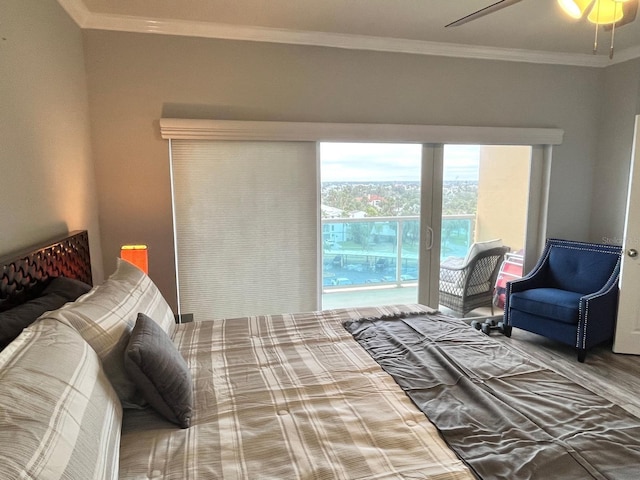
(610, 13)
(494, 7)
(629, 10)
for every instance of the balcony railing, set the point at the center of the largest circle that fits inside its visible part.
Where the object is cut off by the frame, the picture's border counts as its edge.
(371, 251)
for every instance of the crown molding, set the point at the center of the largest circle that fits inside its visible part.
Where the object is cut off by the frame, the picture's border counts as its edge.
(77, 10)
(98, 21)
(625, 55)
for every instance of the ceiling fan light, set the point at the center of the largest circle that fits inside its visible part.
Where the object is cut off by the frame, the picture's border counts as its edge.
(605, 12)
(574, 8)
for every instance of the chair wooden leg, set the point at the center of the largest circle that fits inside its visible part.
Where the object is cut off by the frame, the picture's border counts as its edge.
(582, 354)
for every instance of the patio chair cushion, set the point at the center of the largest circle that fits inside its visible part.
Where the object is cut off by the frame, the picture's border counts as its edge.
(479, 247)
(452, 279)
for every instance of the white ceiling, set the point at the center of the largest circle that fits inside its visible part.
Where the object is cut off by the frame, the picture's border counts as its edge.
(530, 30)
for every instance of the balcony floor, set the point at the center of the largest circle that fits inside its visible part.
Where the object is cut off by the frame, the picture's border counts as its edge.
(369, 297)
(385, 296)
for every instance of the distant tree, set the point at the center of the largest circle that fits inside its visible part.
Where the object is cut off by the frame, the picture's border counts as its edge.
(398, 198)
(410, 232)
(360, 233)
(459, 198)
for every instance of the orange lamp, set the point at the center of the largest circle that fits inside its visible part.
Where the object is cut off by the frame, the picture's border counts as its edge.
(137, 255)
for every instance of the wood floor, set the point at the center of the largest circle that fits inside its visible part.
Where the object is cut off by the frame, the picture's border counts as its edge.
(613, 376)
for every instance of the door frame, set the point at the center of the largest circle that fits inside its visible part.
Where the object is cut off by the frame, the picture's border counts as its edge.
(430, 223)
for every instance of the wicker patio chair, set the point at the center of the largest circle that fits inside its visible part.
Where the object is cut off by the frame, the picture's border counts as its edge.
(468, 284)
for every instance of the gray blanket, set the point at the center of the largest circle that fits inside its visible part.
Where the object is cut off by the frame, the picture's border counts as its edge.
(504, 415)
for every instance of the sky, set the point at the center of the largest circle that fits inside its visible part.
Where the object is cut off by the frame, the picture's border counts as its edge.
(375, 162)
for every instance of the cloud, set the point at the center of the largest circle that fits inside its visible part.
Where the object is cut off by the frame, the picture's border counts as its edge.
(461, 162)
(370, 162)
(379, 162)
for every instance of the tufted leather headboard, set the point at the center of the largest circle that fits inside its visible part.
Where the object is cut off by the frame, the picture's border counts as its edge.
(23, 273)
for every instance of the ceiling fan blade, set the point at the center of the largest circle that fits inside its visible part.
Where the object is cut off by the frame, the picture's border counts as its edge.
(630, 10)
(494, 7)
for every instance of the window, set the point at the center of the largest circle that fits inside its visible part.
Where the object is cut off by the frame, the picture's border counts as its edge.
(247, 239)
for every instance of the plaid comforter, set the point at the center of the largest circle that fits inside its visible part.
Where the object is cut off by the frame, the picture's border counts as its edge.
(286, 397)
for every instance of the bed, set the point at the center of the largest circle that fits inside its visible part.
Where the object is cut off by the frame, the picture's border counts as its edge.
(107, 386)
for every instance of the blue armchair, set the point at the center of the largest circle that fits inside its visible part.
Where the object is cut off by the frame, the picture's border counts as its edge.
(571, 295)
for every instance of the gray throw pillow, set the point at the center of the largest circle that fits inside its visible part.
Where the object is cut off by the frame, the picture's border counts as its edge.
(159, 371)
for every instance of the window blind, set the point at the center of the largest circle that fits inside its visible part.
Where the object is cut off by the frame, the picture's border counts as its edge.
(246, 227)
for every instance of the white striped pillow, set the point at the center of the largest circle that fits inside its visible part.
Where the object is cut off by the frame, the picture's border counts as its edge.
(106, 315)
(59, 416)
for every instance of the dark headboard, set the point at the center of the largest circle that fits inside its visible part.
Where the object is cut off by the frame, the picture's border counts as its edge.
(25, 272)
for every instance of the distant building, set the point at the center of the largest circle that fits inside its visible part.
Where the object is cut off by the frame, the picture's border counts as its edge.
(374, 199)
(331, 212)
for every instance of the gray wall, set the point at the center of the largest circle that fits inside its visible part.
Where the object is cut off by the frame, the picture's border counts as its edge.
(135, 79)
(47, 181)
(620, 104)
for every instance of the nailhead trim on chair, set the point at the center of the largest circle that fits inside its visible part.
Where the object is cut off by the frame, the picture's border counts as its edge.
(586, 314)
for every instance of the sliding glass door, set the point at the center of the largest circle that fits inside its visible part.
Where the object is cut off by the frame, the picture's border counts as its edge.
(485, 196)
(391, 213)
(370, 210)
